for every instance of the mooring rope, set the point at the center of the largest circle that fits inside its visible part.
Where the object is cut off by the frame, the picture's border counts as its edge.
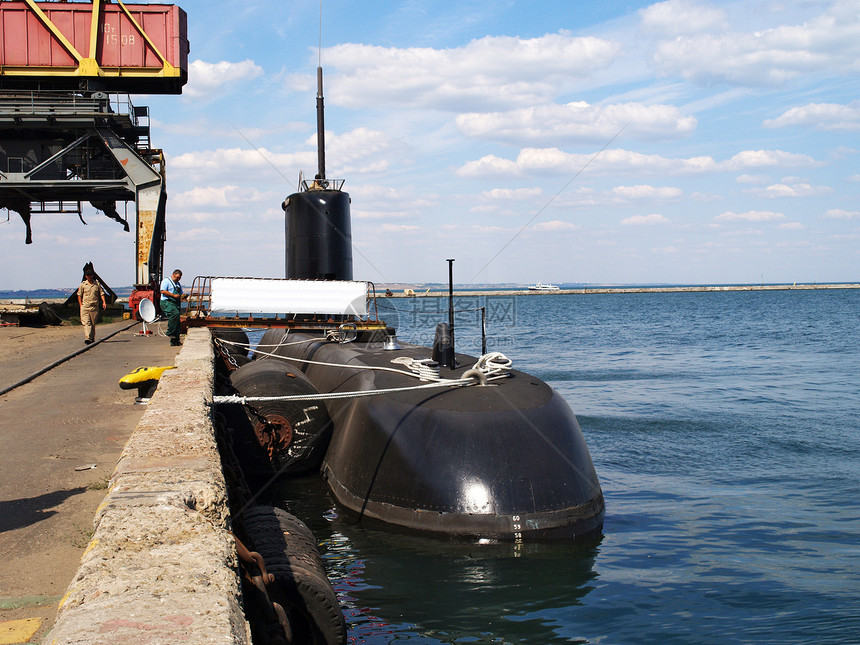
(309, 362)
(492, 364)
(235, 398)
(489, 367)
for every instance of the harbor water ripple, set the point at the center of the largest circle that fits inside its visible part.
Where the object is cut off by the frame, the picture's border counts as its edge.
(724, 429)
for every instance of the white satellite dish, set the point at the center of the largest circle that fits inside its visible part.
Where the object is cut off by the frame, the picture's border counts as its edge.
(147, 310)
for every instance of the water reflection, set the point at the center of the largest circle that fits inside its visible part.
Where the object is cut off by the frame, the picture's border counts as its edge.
(408, 588)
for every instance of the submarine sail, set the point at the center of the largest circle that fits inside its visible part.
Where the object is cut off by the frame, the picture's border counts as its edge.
(319, 239)
(317, 222)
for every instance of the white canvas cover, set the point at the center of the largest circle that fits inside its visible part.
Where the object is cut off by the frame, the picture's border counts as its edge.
(260, 296)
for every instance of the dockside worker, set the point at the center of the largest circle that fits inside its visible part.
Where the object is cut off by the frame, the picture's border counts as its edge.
(171, 297)
(89, 296)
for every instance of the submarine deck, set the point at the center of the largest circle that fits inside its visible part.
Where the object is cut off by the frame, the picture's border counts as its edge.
(433, 450)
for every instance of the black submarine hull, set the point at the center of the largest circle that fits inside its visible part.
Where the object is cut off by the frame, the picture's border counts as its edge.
(505, 461)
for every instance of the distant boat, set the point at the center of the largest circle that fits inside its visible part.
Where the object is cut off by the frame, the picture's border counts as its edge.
(540, 286)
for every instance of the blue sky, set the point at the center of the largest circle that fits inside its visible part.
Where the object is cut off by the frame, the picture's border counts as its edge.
(616, 142)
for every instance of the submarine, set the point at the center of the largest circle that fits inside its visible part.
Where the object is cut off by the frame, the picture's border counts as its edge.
(412, 438)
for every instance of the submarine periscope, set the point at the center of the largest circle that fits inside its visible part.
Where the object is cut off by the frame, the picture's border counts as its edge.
(410, 437)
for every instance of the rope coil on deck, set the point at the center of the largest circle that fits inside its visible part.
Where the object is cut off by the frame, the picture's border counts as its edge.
(425, 368)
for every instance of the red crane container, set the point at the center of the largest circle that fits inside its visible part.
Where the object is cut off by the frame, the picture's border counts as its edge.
(81, 45)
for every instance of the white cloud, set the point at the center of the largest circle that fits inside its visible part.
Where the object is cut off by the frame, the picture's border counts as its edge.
(229, 160)
(399, 228)
(577, 122)
(768, 158)
(202, 127)
(749, 216)
(791, 226)
(838, 213)
(704, 197)
(646, 192)
(608, 161)
(357, 151)
(488, 166)
(402, 195)
(474, 228)
(193, 234)
(545, 160)
(821, 116)
(829, 43)
(484, 74)
(512, 194)
(682, 17)
(843, 152)
(555, 225)
(375, 202)
(793, 190)
(792, 180)
(219, 197)
(645, 220)
(207, 80)
(373, 214)
(492, 209)
(752, 179)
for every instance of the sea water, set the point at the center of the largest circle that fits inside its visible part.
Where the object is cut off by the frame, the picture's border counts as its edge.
(724, 429)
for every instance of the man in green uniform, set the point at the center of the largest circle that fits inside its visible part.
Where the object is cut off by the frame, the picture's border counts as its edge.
(89, 296)
(171, 297)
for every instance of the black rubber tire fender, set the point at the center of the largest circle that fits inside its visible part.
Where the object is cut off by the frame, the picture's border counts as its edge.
(282, 538)
(269, 344)
(276, 517)
(309, 420)
(299, 553)
(234, 336)
(311, 604)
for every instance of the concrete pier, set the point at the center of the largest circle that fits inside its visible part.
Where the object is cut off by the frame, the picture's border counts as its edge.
(63, 430)
(161, 566)
(127, 502)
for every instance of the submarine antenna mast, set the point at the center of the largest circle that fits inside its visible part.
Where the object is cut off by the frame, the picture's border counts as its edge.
(450, 262)
(320, 126)
(320, 109)
(316, 217)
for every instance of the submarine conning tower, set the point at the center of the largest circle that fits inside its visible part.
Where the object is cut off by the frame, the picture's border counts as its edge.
(318, 234)
(317, 220)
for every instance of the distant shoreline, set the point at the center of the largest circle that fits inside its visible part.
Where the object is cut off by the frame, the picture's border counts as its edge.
(436, 291)
(605, 290)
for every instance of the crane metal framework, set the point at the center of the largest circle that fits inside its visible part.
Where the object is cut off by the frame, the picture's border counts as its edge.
(69, 133)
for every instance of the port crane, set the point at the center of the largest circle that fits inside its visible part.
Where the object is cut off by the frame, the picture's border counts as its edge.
(69, 132)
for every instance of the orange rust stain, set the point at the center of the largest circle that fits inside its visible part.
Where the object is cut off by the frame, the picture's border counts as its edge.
(145, 230)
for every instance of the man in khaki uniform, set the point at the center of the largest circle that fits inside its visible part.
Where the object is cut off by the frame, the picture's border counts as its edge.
(89, 295)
